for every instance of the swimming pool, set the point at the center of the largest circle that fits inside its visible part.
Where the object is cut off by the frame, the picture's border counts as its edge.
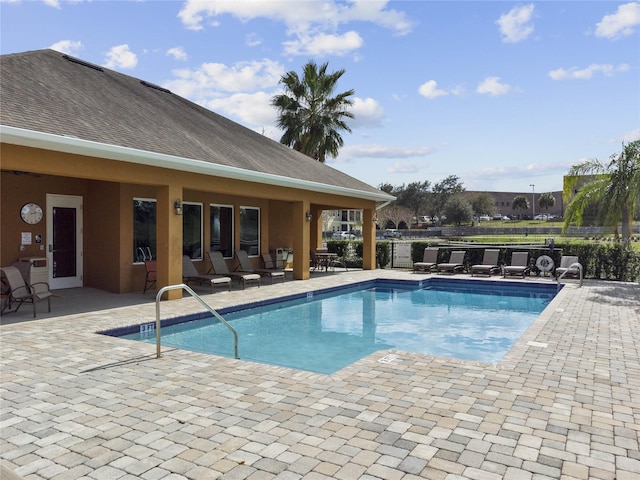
(325, 331)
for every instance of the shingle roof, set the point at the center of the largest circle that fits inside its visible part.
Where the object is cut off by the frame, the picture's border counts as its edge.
(49, 92)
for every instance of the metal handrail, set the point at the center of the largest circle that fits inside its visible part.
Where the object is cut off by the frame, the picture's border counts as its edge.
(578, 266)
(188, 289)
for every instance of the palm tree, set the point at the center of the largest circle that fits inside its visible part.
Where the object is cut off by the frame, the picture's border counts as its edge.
(308, 113)
(546, 201)
(614, 187)
(520, 202)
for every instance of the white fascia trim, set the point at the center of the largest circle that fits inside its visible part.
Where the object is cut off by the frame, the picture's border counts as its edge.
(61, 143)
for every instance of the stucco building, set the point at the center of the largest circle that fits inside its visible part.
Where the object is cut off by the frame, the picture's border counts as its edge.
(123, 169)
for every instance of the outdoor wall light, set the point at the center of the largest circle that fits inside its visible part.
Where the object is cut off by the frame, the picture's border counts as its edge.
(375, 219)
(178, 207)
(308, 216)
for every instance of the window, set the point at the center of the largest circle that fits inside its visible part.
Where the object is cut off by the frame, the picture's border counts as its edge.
(221, 217)
(192, 230)
(250, 230)
(144, 229)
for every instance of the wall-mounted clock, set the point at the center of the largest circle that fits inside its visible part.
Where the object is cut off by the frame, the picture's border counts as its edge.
(31, 213)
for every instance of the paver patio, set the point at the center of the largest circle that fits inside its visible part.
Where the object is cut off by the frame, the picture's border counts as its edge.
(564, 402)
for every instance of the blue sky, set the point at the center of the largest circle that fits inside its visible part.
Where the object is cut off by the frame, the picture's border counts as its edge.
(502, 94)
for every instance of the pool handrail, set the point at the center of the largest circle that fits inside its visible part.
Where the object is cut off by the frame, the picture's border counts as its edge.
(573, 265)
(182, 286)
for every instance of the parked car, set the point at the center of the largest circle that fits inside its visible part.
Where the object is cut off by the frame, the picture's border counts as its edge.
(392, 233)
(484, 218)
(343, 236)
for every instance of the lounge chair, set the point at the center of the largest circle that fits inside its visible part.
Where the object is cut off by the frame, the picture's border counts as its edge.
(219, 266)
(20, 292)
(565, 266)
(519, 265)
(489, 264)
(429, 261)
(151, 275)
(246, 266)
(191, 275)
(455, 263)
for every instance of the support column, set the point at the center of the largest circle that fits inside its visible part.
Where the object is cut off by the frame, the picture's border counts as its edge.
(315, 233)
(368, 239)
(301, 242)
(169, 239)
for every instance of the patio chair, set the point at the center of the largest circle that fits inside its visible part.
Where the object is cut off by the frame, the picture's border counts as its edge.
(489, 264)
(191, 275)
(429, 261)
(219, 266)
(246, 266)
(455, 263)
(151, 274)
(315, 263)
(519, 265)
(565, 266)
(271, 264)
(20, 292)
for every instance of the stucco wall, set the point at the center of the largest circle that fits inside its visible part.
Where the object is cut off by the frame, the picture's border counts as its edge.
(108, 188)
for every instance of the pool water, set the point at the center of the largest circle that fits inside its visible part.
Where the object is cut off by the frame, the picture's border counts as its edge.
(323, 333)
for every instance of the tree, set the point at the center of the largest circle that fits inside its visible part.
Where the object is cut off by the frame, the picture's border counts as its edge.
(393, 215)
(386, 187)
(414, 197)
(520, 203)
(442, 191)
(458, 210)
(615, 187)
(483, 204)
(546, 201)
(310, 116)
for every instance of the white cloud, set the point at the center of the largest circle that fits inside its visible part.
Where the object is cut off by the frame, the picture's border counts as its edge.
(178, 53)
(430, 90)
(121, 57)
(492, 86)
(67, 46)
(631, 136)
(252, 40)
(298, 17)
(515, 25)
(311, 25)
(351, 152)
(367, 112)
(52, 3)
(620, 24)
(405, 167)
(587, 73)
(212, 78)
(252, 109)
(519, 172)
(323, 44)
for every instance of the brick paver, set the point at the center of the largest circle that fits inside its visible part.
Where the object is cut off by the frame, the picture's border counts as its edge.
(563, 403)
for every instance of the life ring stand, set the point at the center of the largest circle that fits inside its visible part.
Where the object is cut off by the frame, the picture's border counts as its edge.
(544, 263)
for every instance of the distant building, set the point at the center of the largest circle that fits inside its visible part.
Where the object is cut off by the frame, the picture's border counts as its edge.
(503, 202)
(342, 220)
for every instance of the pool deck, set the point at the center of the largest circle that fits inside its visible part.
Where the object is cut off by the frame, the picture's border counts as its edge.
(563, 404)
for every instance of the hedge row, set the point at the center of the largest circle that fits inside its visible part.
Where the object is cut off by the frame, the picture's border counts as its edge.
(601, 261)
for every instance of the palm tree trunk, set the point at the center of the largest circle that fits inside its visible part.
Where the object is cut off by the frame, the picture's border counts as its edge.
(626, 224)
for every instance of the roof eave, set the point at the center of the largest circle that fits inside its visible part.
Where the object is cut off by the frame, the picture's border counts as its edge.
(73, 145)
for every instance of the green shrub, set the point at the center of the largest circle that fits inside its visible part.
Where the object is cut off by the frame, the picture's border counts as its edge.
(383, 254)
